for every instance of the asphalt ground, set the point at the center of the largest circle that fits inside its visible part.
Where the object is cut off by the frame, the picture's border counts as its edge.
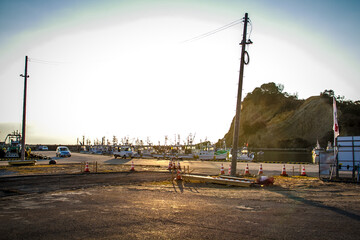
(150, 205)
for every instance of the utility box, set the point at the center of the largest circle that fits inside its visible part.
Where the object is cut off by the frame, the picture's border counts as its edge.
(326, 164)
(348, 155)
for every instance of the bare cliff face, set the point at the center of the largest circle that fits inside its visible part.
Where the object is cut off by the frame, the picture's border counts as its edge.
(271, 119)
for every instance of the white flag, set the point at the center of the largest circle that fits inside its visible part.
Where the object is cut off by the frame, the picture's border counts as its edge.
(336, 125)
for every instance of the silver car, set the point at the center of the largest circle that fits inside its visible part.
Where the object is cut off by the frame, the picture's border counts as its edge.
(63, 152)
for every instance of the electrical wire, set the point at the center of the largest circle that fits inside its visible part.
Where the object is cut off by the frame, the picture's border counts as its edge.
(34, 60)
(247, 47)
(214, 31)
(251, 27)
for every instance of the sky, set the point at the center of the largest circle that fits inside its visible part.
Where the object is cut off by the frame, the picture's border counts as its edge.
(126, 68)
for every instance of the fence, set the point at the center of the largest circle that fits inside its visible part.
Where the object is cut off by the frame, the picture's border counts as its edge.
(348, 156)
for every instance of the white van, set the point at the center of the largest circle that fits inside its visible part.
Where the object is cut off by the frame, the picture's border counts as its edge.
(123, 152)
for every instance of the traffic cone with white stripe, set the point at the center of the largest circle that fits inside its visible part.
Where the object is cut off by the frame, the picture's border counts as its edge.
(132, 166)
(303, 173)
(260, 170)
(229, 172)
(247, 172)
(178, 175)
(283, 172)
(222, 171)
(87, 167)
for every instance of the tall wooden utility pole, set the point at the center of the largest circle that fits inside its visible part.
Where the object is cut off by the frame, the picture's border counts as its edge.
(238, 103)
(24, 111)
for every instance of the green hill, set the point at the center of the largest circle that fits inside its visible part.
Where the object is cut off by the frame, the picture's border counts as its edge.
(273, 119)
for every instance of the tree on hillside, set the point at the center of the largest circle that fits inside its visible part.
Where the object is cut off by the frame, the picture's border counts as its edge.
(330, 94)
(268, 100)
(271, 93)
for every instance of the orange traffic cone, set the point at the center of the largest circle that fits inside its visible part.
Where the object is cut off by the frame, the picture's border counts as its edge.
(260, 170)
(247, 170)
(170, 165)
(87, 167)
(229, 172)
(132, 166)
(222, 171)
(303, 173)
(178, 176)
(283, 172)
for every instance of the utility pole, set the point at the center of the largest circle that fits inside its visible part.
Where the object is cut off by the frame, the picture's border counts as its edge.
(24, 111)
(238, 103)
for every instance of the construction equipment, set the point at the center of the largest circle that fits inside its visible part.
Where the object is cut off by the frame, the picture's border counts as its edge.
(11, 147)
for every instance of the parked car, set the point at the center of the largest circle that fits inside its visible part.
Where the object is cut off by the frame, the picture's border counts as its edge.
(63, 152)
(43, 148)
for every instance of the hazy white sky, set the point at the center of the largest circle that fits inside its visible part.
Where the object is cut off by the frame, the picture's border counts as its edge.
(104, 68)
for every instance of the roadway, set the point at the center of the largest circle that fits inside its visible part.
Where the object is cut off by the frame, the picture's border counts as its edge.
(198, 166)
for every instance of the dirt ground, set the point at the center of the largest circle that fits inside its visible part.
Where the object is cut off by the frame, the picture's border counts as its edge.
(59, 202)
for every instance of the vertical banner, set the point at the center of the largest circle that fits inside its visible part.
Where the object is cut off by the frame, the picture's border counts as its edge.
(336, 125)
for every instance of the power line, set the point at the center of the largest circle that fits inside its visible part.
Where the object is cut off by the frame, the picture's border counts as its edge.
(214, 31)
(34, 60)
(80, 61)
(248, 36)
